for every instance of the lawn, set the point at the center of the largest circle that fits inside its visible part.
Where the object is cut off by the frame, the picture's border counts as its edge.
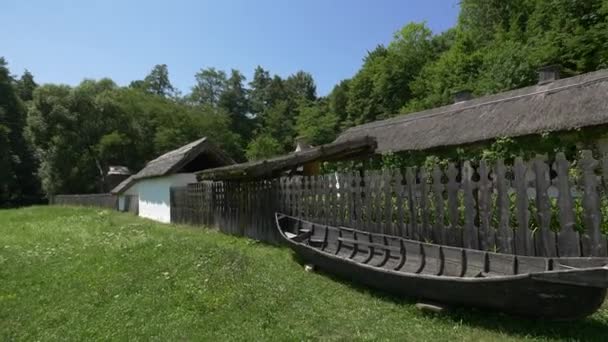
(82, 274)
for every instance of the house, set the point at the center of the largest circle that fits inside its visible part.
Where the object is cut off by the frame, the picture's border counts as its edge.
(150, 188)
(552, 105)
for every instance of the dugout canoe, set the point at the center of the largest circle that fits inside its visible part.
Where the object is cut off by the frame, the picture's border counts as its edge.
(550, 288)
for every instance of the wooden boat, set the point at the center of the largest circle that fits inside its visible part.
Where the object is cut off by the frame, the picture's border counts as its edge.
(551, 288)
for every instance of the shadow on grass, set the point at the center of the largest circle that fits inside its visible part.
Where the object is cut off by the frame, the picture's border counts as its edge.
(592, 328)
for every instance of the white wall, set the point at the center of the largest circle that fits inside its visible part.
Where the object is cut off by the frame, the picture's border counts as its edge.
(154, 197)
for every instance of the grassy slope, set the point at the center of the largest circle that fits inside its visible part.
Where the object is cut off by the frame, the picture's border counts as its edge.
(88, 274)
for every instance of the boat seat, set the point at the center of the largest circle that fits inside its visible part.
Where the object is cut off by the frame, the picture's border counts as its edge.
(316, 242)
(369, 244)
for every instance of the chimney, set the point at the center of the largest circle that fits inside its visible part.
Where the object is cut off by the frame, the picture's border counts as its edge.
(548, 74)
(462, 96)
(302, 144)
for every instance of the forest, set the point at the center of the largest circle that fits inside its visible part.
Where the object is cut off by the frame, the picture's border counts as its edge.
(56, 138)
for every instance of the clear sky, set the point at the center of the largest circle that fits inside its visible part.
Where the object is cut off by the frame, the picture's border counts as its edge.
(66, 41)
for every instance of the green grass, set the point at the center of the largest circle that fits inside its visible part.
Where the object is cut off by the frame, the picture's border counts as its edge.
(87, 274)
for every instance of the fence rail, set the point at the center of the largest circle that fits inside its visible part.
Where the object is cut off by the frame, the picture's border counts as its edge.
(527, 208)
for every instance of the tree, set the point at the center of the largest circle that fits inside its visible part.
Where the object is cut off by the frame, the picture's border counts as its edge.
(18, 181)
(338, 101)
(259, 96)
(262, 147)
(301, 86)
(26, 86)
(363, 105)
(210, 84)
(317, 123)
(235, 102)
(157, 81)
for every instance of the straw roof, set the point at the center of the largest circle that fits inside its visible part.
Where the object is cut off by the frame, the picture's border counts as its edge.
(565, 104)
(173, 161)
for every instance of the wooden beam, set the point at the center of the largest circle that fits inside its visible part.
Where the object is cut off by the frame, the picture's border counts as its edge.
(272, 167)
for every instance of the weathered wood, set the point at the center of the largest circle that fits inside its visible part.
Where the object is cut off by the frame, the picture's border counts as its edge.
(593, 243)
(556, 288)
(378, 201)
(454, 231)
(439, 231)
(568, 239)
(523, 241)
(504, 233)
(358, 208)
(410, 178)
(388, 202)
(484, 202)
(470, 237)
(425, 228)
(400, 200)
(269, 168)
(544, 236)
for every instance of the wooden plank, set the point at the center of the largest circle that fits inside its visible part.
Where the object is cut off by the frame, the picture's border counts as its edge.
(352, 191)
(316, 194)
(343, 179)
(470, 237)
(337, 200)
(400, 202)
(412, 227)
(439, 229)
(358, 206)
(487, 233)
(329, 200)
(568, 243)
(593, 242)
(390, 202)
(544, 237)
(504, 233)
(523, 236)
(454, 232)
(425, 228)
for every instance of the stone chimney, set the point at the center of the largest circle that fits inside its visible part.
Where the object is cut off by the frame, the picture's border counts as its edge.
(548, 74)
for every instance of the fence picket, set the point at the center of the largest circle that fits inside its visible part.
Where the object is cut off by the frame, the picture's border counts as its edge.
(545, 237)
(523, 241)
(568, 239)
(484, 197)
(454, 232)
(470, 237)
(504, 233)
(593, 242)
(439, 229)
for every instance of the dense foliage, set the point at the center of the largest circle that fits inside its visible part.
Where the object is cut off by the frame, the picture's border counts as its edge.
(56, 138)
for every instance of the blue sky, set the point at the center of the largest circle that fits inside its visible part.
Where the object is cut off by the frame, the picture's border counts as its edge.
(66, 41)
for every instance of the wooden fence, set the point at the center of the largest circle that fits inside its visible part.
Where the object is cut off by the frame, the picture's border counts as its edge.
(108, 201)
(528, 208)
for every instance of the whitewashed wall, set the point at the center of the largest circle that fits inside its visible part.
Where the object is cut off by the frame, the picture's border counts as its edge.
(154, 196)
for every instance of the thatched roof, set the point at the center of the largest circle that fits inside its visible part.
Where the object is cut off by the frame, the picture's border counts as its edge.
(173, 161)
(275, 166)
(564, 104)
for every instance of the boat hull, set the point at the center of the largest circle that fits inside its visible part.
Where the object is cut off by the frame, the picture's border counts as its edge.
(525, 296)
(521, 295)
